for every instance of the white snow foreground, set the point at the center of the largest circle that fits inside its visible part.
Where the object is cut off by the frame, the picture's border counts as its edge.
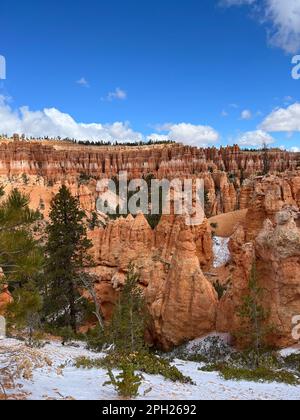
(55, 377)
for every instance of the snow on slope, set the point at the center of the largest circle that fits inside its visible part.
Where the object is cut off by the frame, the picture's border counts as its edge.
(57, 382)
(221, 251)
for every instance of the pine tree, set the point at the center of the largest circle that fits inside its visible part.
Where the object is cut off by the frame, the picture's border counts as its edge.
(130, 316)
(254, 329)
(20, 255)
(127, 383)
(21, 259)
(66, 250)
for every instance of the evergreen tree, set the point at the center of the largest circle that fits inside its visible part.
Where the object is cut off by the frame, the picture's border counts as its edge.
(130, 316)
(21, 259)
(24, 311)
(66, 250)
(254, 316)
(266, 159)
(20, 256)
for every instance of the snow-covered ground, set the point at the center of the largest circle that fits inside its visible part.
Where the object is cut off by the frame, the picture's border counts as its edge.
(55, 377)
(221, 251)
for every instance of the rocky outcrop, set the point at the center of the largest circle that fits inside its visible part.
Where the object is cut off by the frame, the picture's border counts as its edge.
(270, 194)
(185, 306)
(5, 299)
(181, 301)
(276, 253)
(172, 259)
(223, 170)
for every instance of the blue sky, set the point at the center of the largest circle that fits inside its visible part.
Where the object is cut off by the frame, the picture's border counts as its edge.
(191, 70)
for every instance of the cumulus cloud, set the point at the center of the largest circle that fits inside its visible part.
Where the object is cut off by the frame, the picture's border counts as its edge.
(158, 137)
(53, 123)
(255, 138)
(195, 135)
(282, 18)
(246, 114)
(83, 82)
(283, 119)
(117, 94)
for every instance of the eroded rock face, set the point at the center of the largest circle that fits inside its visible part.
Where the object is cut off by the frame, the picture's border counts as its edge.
(172, 258)
(185, 307)
(181, 301)
(5, 299)
(55, 159)
(270, 195)
(276, 252)
(243, 255)
(224, 171)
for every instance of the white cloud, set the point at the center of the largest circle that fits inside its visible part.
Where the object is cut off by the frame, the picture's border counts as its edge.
(117, 94)
(53, 123)
(246, 114)
(157, 137)
(255, 138)
(224, 114)
(195, 135)
(283, 119)
(228, 3)
(282, 18)
(295, 149)
(83, 82)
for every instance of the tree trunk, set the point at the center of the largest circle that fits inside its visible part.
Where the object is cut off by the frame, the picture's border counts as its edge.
(73, 323)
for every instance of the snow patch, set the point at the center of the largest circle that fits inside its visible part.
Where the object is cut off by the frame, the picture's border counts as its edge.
(63, 381)
(221, 251)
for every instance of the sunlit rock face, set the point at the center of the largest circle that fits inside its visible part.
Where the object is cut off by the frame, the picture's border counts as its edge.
(229, 174)
(181, 301)
(174, 260)
(270, 238)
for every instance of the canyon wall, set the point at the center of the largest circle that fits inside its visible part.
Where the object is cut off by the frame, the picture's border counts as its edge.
(169, 260)
(269, 240)
(226, 171)
(174, 261)
(175, 265)
(175, 160)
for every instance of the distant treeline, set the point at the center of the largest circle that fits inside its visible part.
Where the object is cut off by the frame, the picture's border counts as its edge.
(139, 143)
(100, 143)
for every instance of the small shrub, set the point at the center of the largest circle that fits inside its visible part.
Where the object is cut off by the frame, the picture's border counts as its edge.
(66, 334)
(221, 289)
(127, 383)
(261, 374)
(143, 362)
(266, 359)
(86, 363)
(293, 362)
(25, 179)
(84, 178)
(97, 339)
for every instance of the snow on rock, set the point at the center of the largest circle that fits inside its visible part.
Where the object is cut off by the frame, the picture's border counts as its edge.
(223, 337)
(60, 380)
(221, 251)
